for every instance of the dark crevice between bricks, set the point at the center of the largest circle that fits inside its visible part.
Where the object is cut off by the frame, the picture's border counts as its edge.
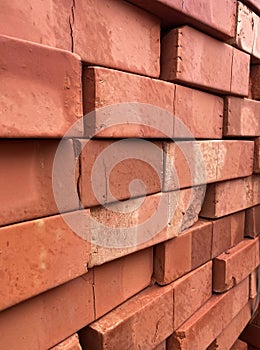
(77, 154)
(71, 23)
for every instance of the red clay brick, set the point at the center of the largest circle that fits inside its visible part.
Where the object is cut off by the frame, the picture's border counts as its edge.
(251, 335)
(247, 29)
(255, 81)
(71, 343)
(211, 20)
(210, 320)
(201, 113)
(241, 117)
(190, 293)
(148, 316)
(127, 38)
(227, 340)
(162, 346)
(239, 345)
(108, 168)
(120, 279)
(181, 62)
(176, 257)
(227, 232)
(41, 90)
(155, 219)
(228, 197)
(228, 269)
(47, 319)
(253, 283)
(38, 255)
(196, 162)
(104, 87)
(46, 23)
(257, 156)
(252, 223)
(26, 179)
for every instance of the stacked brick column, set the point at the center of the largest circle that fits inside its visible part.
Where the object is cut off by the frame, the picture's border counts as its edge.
(193, 284)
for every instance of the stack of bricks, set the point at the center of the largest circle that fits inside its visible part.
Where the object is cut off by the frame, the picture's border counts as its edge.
(193, 282)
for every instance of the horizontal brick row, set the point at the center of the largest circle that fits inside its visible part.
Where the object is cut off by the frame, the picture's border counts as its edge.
(197, 65)
(223, 198)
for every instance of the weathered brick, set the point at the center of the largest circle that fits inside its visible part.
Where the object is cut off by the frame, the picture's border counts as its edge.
(175, 257)
(252, 223)
(196, 65)
(71, 343)
(162, 346)
(257, 156)
(38, 255)
(210, 320)
(190, 293)
(211, 20)
(255, 81)
(248, 26)
(141, 322)
(41, 90)
(126, 227)
(127, 38)
(227, 232)
(120, 279)
(228, 197)
(45, 23)
(253, 283)
(239, 345)
(241, 117)
(47, 319)
(227, 340)
(190, 163)
(227, 268)
(104, 87)
(108, 168)
(26, 179)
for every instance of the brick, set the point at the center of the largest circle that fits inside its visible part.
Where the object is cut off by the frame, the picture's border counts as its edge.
(108, 168)
(49, 318)
(38, 255)
(126, 227)
(120, 279)
(255, 81)
(239, 345)
(210, 320)
(229, 336)
(252, 223)
(257, 156)
(241, 117)
(28, 193)
(127, 38)
(104, 87)
(148, 316)
(71, 343)
(178, 256)
(211, 20)
(253, 283)
(228, 197)
(201, 112)
(190, 293)
(251, 335)
(35, 75)
(227, 232)
(248, 25)
(182, 62)
(190, 163)
(227, 268)
(45, 23)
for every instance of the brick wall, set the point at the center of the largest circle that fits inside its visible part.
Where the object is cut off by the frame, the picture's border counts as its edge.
(130, 185)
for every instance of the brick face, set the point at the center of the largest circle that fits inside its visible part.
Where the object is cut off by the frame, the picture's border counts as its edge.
(35, 75)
